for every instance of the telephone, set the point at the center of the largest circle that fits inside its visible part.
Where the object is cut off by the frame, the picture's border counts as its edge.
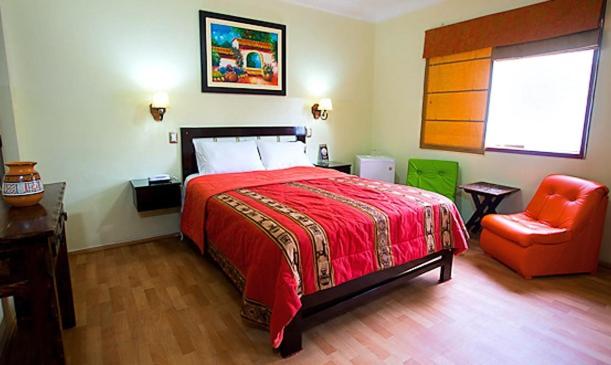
(161, 178)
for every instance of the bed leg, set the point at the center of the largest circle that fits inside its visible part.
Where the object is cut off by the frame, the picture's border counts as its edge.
(446, 267)
(291, 343)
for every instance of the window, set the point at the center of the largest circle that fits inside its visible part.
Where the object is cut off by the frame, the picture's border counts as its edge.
(540, 104)
(537, 98)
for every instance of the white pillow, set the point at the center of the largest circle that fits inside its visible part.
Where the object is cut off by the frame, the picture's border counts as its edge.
(223, 157)
(281, 155)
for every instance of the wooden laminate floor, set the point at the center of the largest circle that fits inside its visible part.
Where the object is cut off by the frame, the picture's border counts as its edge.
(161, 303)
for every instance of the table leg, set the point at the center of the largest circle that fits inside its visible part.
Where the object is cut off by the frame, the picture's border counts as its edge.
(472, 222)
(23, 309)
(494, 203)
(64, 284)
(483, 207)
(46, 325)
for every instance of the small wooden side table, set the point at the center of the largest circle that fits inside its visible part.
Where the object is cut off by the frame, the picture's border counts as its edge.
(339, 166)
(487, 197)
(151, 196)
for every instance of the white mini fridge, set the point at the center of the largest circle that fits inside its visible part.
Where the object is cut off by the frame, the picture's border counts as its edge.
(376, 167)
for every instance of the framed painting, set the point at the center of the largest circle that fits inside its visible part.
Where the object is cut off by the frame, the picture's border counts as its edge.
(242, 56)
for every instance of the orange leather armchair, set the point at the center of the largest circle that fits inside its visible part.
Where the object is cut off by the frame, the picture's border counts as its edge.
(559, 233)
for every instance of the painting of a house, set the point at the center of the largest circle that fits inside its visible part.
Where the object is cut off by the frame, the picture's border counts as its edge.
(242, 56)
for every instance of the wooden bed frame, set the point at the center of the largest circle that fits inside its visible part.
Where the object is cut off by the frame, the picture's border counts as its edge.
(320, 306)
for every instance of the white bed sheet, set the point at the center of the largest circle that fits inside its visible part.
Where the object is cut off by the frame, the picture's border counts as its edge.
(184, 188)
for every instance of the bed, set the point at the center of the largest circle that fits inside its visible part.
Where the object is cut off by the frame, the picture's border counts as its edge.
(304, 244)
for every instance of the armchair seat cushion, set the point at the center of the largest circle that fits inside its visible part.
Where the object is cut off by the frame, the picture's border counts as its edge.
(524, 230)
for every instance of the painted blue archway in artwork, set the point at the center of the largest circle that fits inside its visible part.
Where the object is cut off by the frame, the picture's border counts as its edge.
(254, 60)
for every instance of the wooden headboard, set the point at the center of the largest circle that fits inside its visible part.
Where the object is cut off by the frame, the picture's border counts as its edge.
(189, 163)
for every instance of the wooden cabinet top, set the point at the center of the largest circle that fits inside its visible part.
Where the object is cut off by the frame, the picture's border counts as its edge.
(42, 219)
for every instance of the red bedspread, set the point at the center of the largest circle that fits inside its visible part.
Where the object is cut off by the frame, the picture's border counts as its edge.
(285, 233)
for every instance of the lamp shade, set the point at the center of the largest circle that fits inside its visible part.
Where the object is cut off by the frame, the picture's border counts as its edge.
(325, 104)
(160, 100)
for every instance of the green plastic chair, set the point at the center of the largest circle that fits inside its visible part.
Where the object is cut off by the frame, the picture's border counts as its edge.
(434, 175)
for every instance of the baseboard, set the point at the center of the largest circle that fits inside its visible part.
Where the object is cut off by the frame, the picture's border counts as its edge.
(121, 244)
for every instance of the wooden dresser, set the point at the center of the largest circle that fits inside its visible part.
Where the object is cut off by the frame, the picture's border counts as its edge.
(34, 270)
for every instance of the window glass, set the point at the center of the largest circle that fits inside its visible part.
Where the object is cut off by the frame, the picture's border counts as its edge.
(539, 103)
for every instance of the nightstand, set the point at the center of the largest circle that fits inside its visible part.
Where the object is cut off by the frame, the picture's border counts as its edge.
(154, 196)
(339, 166)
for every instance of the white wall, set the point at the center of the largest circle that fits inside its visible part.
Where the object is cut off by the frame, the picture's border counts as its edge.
(82, 73)
(10, 149)
(398, 90)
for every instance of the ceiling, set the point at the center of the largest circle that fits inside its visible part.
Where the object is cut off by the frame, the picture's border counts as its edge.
(368, 10)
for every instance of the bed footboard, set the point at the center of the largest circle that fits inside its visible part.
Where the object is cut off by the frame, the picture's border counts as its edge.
(326, 304)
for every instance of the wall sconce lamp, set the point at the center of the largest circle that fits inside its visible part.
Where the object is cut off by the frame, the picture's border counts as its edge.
(321, 109)
(159, 105)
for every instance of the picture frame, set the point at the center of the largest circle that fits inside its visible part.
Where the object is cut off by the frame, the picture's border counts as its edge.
(323, 153)
(241, 55)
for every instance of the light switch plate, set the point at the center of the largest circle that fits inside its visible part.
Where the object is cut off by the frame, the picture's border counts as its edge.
(173, 137)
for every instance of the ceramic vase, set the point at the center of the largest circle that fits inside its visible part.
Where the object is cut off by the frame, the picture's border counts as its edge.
(21, 186)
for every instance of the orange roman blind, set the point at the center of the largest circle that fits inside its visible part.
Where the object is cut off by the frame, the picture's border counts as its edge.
(459, 62)
(455, 101)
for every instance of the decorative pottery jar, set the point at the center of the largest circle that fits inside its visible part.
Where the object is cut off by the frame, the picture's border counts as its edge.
(21, 186)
